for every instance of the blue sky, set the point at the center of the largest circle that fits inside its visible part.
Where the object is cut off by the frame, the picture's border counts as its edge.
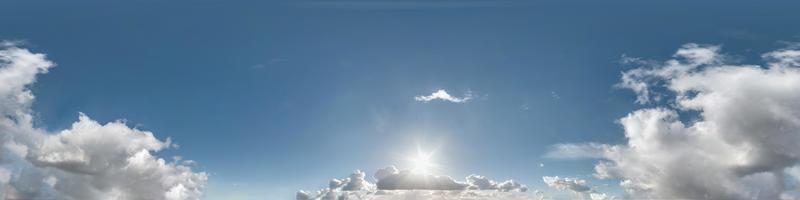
(272, 97)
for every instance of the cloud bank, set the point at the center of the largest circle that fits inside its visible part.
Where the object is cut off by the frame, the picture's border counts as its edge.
(743, 143)
(89, 160)
(444, 96)
(393, 183)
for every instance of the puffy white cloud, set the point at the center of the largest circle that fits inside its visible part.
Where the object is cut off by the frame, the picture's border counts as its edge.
(355, 182)
(393, 183)
(784, 57)
(340, 188)
(478, 182)
(87, 161)
(386, 172)
(743, 144)
(511, 185)
(444, 96)
(579, 187)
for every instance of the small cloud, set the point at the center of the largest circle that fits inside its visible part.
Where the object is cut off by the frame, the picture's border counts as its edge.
(625, 59)
(444, 96)
(575, 185)
(554, 95)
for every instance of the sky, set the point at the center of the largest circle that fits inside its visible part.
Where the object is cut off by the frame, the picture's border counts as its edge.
(260, 99)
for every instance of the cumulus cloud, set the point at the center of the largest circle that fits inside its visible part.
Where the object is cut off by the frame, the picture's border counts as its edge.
(478, 182)
(743, 144)
(444, 96)
(572, 184)
(89, 160)
(353, 185)
(393, 183)
(355, 182)
(579, 187)
(393, 179)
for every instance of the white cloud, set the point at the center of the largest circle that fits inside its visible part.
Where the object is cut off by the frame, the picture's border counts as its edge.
(578, 187)
(555, 95)
(390, 178)
(784, 57)
(744, 144)
(573, 184)
(393, 183)
(408, 180)
(444, 96)
(87, 161)
(478, 182)
(355, 182)
(687, 59)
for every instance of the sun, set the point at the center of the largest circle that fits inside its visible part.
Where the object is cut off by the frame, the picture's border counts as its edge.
(422, 163)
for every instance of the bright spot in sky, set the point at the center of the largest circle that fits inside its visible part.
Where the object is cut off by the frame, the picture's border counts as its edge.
(422, 163)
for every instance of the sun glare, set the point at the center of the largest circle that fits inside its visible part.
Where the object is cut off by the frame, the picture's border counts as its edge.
(422, 163)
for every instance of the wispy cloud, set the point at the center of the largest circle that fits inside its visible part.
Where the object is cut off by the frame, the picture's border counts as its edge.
(444, 96)
(555, 95)
(269, 63)
(578, 151)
